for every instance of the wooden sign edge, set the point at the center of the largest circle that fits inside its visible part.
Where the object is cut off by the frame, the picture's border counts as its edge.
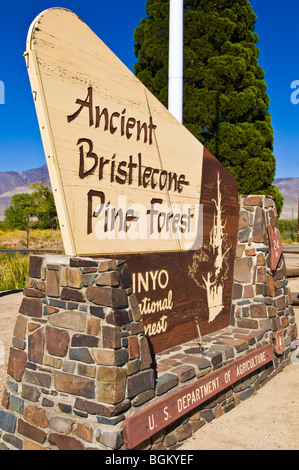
(131, 426)
(47, 138)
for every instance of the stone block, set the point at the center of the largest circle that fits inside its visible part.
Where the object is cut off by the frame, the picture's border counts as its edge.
(110, 357)
(29, 445)
(83, 431)
(43, 379)
(30, 393)
(61, 424)
(81, 354)
(75, 385)
(140, 383)
(85, 340)
(83, 263)
(119, 317)
(143, 397)
(65, 442)
(16, 364)
(52, 284)
(93, 326)
(261, 274)
(259, 233)
(245, 220)
(109, 278)
(248, 292)
(35, 266)
(253, 201)
(14, 441)
(243, 235)
(166, 382)
(7, 421)
(68, 293)
(72, 277)
(31, 307)
(133, 347)
(111, 384)
(97, 311)
(237, 291)
(243, 268)
(87, 370)
(145, 354)
(36, 343)
(247, 323)
(57, 341)
(16, 404)
(111, 337)
(71, 320)
(30, 431)
(34, 293)
(184, 432)
(280, 303)
(107, 265)
(40, 285)
(36, 416)
(20, 327)
(95, 408)
(133, 304)
(133, 366)
(200, 362)
(125, 278)
(258, 311)
(107, 296)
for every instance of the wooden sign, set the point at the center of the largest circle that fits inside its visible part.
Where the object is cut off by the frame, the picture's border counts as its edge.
(276, 247)
(147, 422)
(132, 182)
(126, 174)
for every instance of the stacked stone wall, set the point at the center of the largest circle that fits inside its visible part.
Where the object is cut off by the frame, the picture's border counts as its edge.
(261, 298)
(78, 356)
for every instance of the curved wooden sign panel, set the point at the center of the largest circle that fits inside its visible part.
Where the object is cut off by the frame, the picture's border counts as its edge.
(130, 181)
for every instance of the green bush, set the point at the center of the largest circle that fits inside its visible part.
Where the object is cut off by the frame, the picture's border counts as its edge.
(288, 230)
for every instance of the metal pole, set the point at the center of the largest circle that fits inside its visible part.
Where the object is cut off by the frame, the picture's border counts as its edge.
(175, 67)
(298, 222)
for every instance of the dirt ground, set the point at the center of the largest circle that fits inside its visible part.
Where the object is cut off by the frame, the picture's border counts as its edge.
(269, 420)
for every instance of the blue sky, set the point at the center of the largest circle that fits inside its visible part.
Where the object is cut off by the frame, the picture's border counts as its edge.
(114, 22)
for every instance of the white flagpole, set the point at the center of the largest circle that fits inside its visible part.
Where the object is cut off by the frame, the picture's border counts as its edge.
(175, 67)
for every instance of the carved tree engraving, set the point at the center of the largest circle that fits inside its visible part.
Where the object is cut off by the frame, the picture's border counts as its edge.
(210, 266)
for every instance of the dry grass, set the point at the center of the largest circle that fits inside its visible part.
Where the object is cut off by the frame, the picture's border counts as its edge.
(13, 266)
(13, 271)
(38, 240)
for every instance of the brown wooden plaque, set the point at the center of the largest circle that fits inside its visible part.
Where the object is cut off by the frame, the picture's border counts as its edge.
(177, 289)
(276, 247)
(152, 419)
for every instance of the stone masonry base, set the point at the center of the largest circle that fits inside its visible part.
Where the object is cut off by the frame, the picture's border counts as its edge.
(80, 363)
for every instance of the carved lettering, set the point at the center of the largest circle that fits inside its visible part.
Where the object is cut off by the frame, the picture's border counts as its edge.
(114, 122)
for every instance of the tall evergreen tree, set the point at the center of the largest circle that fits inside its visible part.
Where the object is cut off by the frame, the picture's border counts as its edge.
(225, 94)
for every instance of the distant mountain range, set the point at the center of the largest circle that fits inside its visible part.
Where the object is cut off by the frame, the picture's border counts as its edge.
(12, 183)
(289, 188)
